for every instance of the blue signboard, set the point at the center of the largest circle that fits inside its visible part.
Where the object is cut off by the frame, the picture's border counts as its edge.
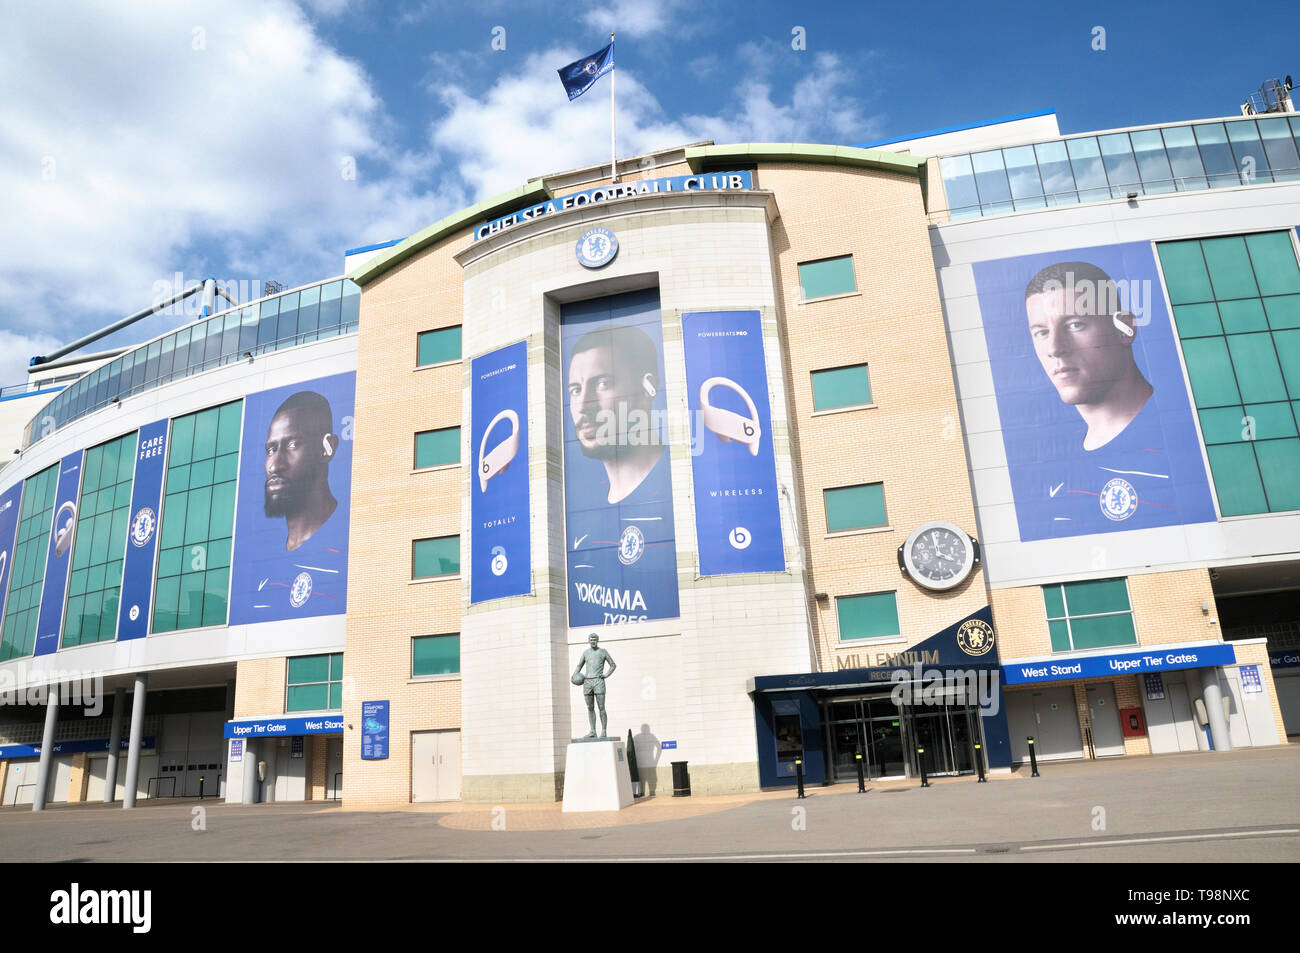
(1251, 684)
(236, 749)
(618, 497)
(1284, 659)
(1129, 663)
(500, 561)
(1155, 684)
(678, 183)
(284, 727)
(374, 731)
(142, 532)
(70, 747)
(737, 509)
(1095, 416)
(59, 556)
(668, 746)
(291, 523)
(9, 508)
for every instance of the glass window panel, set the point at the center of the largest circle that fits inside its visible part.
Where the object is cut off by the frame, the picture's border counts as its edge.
(330, 304)
(1121, 168)
(867, 616)
(991, 180)
(434, 448)
(215, 586)
(1275, 265)
(173, 526)
(841, 387)
(1283, 311)
(287, 326)
(829, 277)
(438, 347)
(267, 320)
(1184, 158)
(854, 507)
(308, 698)
(201, 472)
(1197, 320)
(1279, 466)
(351, 311)
(247, 331)
(310, 668)
(1244, 314)
(1222, 424)
(1258, 374)
(228, 427)
(1096, 595)
(182, 442)
(309, 312)
(169, 562)
(1153, 164)
(336, 696)
(436, 557)
(1271, 421)
(1236, 479)
(336, 666)
(1054, 602)
(223, 511)
(435, 655)
(212, 350)
(1288, 354)
(1210, 371)
(189, 614)
(1103, 630)
(1248, 152)
(205, 434)
(198, 513)
(1054, 167)
(1280, 149)
(1184, 267)
(1022, 174)
(1230, 273)
(959, 182)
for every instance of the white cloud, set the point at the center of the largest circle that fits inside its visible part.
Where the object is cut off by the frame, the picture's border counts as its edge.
(635, 18)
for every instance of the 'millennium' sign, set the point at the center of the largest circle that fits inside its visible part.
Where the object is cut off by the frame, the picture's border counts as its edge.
(677, 183)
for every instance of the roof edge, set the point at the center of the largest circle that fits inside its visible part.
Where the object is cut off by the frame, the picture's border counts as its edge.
(698, 157)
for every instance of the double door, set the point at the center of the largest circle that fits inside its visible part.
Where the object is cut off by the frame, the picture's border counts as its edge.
(873, 726)
(435, 766)
(943, 738)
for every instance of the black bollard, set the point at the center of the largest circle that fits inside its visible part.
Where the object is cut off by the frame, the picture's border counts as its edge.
(798, 774)
(1033, 758)
(920, 760)
(862, 783)
(201, 780)
(979, 762)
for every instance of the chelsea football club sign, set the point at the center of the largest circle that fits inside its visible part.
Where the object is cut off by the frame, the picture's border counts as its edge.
(596, 248)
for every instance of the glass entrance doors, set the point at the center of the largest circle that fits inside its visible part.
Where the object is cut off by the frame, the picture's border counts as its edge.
(871, 725)
(947, 734)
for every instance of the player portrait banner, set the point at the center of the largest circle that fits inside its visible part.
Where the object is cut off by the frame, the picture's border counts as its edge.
(500, 561)
(733, 463)
(291, 520)
(10, 502)
(59, 556)
(142, 532)
(618, 500)
(1096, 419)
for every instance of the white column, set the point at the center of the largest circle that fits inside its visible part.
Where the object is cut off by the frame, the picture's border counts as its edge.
(1213, 697)
(137, 733)
(47, 748)
(114, 743)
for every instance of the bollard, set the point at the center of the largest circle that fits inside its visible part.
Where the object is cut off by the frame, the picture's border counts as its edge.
(798, 774)
(862, 783)
(1033, 758)
(979, 763)
(201, 780)
(925, 782)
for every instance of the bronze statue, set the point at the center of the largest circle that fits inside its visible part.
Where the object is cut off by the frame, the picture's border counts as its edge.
(593, 683)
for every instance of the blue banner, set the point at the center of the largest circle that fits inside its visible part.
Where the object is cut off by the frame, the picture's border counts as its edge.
(500, 560)
(10, 502)
(291, 522)
(712, 181)
(737, 508)
(1284, 659)
(1129, 663)
(278, 727)
(618, 497)
(142, 532)
(1095, 415)
(71, 747)
(59, 556)
(374, 731)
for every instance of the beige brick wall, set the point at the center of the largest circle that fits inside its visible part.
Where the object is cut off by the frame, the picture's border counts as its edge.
(259, 687)
(79, 779)
(318, 752)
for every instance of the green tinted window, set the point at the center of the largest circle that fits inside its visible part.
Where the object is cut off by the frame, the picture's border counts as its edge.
(831, 276)
(869, 616)
(855, 507)
(435, 655)
(314, 683)
(198, 516)
(27, 570)
(435, 557)
(435, 448)
(437, 347)
(95, 580)
(841, 387)
(1089, 614)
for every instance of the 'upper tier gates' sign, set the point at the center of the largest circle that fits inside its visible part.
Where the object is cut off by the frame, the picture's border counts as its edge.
(711, 181)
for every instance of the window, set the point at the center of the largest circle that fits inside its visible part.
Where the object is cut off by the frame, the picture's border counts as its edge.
(435, 655)
(831, 276)
(855, 507)
(435, 557)
(870, 616)
(315, 683)
(841, 387)
(27, 574)
(1089, 615)
(100, 547)
(198, 515)
(1236, 303)
(438, 347)
(436, 448)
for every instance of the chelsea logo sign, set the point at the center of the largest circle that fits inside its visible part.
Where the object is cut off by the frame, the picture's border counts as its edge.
(1119, 500)
(631, 545)
(596, 248)
(142, 526)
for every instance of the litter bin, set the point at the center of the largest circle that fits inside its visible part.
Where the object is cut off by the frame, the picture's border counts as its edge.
(681, 780)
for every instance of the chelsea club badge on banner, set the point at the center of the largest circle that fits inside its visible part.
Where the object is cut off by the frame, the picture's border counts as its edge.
(596, 248)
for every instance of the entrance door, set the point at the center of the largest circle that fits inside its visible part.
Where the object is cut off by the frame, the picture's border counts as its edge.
(1048, 714)
(1185, 728)
(1107, 738)
(334, 768)
(435, 766)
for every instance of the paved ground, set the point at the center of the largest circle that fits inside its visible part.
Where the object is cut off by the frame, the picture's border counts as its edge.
(1235, 806)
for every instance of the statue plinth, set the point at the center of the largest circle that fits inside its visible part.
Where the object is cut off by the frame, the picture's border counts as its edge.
(596, 775)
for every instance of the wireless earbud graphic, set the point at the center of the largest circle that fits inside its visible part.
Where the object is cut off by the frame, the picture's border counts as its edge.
(64, 532)
(1120, 324)
(501, 455)
(726, 424)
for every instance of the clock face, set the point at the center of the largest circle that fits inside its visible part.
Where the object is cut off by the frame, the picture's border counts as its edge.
(938, 555)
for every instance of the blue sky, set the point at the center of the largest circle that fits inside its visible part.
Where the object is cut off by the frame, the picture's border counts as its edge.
(145, 139)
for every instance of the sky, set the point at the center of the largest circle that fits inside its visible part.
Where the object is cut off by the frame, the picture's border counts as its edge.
(147, 145)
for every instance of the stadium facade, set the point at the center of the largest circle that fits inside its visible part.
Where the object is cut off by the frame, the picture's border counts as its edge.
(911, 451)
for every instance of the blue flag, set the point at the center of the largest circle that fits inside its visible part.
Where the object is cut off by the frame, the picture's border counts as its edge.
(578, 76)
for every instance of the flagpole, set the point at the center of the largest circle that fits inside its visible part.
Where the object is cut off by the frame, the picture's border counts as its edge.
(613, 154)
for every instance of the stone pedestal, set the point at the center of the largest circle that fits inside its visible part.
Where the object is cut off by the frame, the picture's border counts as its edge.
(596, 776)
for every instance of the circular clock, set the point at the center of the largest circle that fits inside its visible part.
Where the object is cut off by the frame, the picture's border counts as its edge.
(938, 555)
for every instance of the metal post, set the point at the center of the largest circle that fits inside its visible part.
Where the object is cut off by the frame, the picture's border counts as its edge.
(920, 762)
(979, 762)
(798, 774)
(201, 780)
(862, 782)
(1213, 697)
(114, 746)
(47, 749)
(1033, 758)
(133, 748)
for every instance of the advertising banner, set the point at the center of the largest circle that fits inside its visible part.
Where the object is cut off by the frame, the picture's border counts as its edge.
(142, 532)
(500, 561)
(1096, 420)
(10, 502)
(59, 556)
(737, 509)
(618, 499)
(291, 518)
(374, 731)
